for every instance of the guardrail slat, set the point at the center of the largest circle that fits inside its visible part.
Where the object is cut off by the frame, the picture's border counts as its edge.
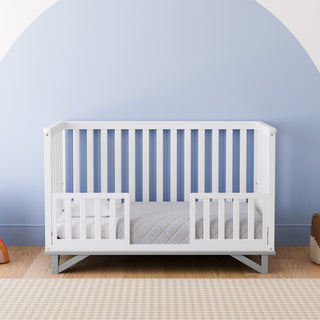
(83, 218)
(68, 219)
(236, 219)
(251, 203)
(97, 214)
(221, 211)
(112, 219)
(206, 219)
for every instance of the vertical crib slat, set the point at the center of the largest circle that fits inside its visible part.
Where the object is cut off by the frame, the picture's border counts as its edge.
(68, 219)
(173, 165)
(145, 164)
(255, 160)
(229, 159)
(201, 160)
(159, 165)
(54, 219)
(221, 209)
(112, 219)
(64, 186)
(132, 164)
(251, 219)
(126, 220)
(206, 219)
(236, 218)
(76, 161)
(89, 161)
(215, 160)
(187, 164)
(117, 159)
(192, 220)
(104, 160)
(243, 160)
(97, 214)
(265, 208)
(83, 219)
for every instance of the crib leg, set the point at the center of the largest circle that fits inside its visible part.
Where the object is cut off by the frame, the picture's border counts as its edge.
(56, 268)
(262, 268)
(55, 264)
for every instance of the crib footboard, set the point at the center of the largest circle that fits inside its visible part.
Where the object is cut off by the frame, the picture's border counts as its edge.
(83, 208)
(246, 217)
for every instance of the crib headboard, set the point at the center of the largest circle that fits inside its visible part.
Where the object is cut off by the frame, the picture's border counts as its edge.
(160, 160)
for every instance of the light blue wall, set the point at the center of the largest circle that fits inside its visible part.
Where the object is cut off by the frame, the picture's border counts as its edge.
(157, 60)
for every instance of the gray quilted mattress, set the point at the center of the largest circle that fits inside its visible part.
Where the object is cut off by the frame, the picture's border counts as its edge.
(161, 222)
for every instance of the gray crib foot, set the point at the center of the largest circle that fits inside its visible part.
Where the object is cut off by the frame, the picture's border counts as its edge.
(262, 268)
(55, 264)
(56, 268)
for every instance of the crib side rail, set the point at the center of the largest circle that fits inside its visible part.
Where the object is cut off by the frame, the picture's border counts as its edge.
(260, 201)
(65, 201)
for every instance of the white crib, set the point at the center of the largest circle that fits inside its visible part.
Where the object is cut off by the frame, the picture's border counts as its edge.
(107, 183)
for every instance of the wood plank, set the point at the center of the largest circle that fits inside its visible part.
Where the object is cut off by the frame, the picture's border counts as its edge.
(21, 259)
(30, 262)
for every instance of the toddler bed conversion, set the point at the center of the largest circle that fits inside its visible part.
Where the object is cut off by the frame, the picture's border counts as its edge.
(159, 187)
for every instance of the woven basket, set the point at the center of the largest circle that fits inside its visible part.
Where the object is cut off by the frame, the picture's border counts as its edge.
(315, 239)
(4, 256)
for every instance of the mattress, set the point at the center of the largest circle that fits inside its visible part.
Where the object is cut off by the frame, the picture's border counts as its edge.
(161, 222)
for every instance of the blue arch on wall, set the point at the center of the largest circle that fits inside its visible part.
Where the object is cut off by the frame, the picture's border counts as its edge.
(151, 60)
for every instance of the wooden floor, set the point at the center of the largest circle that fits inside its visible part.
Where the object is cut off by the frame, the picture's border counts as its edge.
(30, 262)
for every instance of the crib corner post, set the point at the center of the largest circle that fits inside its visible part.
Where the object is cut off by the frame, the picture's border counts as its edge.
(55, 264)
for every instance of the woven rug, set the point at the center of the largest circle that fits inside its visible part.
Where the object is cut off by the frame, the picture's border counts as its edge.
(159, 299)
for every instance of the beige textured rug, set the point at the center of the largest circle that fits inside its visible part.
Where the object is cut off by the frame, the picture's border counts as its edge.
(159, 299)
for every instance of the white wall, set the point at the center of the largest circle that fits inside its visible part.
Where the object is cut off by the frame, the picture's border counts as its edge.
(302, 18)
(15, 17)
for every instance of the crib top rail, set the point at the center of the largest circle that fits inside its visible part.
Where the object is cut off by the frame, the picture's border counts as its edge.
(126, 125)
